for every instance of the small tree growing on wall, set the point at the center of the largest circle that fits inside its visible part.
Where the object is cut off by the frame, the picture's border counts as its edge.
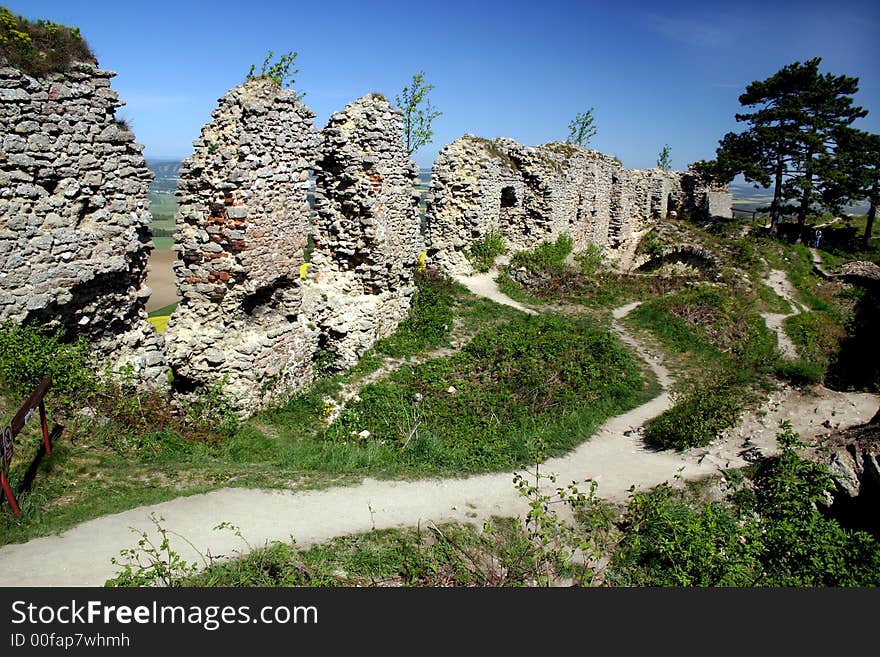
(582, 128)
(418, 113)
(281, 72)
(664, 161)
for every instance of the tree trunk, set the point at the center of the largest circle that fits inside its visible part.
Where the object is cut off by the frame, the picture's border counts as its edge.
(869, 222)
(807, 195)
(777, 199)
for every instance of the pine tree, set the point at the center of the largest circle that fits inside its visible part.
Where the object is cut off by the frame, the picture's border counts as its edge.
(852, 173)
(797, 114)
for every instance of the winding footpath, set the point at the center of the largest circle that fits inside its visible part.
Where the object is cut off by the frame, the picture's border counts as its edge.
(615, 457)
(780, 284)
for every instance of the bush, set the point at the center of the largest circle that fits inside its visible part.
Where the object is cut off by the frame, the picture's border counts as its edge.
(696, 418)
(41, 47)
(482, 253)
(546, 257)
(651, 244)
(29, 354)
(591, 261)
(771, 535)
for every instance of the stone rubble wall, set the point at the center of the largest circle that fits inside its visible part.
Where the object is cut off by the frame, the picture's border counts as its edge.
(74, 236)
(367, 239)
(535, 194)
(242, 230)
(703, 199)
(268, 286)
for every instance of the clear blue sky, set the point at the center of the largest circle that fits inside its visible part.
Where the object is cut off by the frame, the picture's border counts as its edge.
(656, 72)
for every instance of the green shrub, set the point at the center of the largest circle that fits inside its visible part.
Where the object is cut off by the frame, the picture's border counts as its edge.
(668, 542)
(651, 244)
(29, 354)
(771, 535)
(592, 260)
(283, 72)
(697, 418)
(41, 47)
(482, 253)
(546, 257)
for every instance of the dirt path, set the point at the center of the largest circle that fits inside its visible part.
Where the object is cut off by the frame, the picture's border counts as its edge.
(780, 284)
(484, 285)
(615, 457)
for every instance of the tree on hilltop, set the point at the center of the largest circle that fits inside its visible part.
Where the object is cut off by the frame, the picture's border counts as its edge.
(852, 173)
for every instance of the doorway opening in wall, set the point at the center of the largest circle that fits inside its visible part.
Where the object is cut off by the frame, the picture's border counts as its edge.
(508, 197)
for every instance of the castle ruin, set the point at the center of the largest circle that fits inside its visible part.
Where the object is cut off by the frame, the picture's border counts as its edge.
(269, 283)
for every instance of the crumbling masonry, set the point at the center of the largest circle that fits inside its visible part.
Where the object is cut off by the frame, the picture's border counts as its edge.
(74, 237)
(241, 231)
(256, 306)
(367, 233)
(270, 287)
(534, 194)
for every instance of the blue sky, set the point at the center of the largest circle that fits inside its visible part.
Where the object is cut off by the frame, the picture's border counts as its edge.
(656, 72)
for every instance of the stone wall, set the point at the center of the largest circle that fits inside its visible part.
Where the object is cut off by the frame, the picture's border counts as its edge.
(74, 237)
(705, 200)
(533, 194)
(242, 230)
(254, 314)
(367, 239)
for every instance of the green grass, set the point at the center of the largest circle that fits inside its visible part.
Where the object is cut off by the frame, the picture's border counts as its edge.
(41, 46)
(164, 310)
(521, 379)
(551, 280)
(402, 557)
(544, 378)
(723, 349)
(816, 336)
(546, 257)
(429, 322)
(163, 207)
(163, 243)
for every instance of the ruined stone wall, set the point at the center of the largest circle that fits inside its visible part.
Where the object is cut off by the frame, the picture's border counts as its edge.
(703, 199)
(367, 240)
(533, 194)
(265, 283)
(74, 238)
(242, 228)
